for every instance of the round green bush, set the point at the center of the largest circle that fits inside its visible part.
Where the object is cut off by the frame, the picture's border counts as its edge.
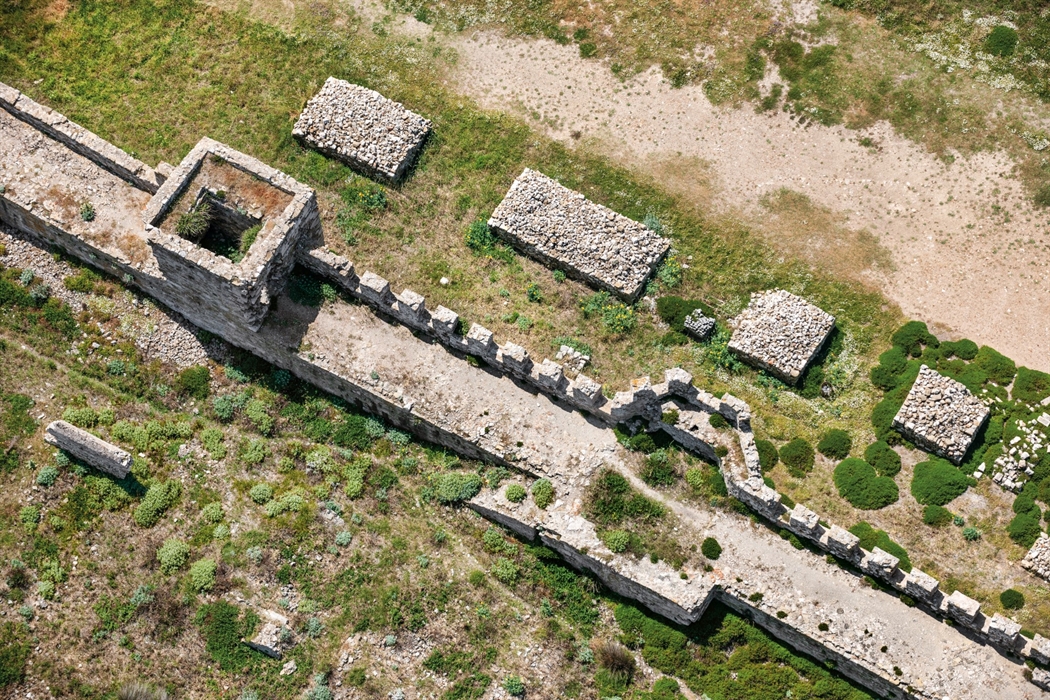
(194, 382)
(883, 457)
(1001, 41)
(261, 493)
(202, 575)
(1011, 599)
(835, 444)
(797, 456)
(710, 548)
(912, 336)
(212, 512)
(1000, 368)
(858, 483)
(514, 686)
(936, 516)
(1024, 528)
(965, 349)
(971, 534)
(173, 555)
(937, 482)
(515, 493)
(453, 487)
(542, 493)
(505, 571)
(617, 540)
(47, 476)
(767, 454)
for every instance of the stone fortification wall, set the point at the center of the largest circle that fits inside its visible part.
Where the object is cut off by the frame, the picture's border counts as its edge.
(372, 134)
(89, 449)
(589, 242)
(940, 415)
(780, 333)
(240, 292)
(78, 139)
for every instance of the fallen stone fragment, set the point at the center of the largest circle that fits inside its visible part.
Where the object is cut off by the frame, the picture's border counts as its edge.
(89, 449)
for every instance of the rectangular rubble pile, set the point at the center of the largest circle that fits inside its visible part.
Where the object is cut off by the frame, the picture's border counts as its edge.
(374, 135)
(564, 229)
(940, 415)
(1038, 558)
(780, 333)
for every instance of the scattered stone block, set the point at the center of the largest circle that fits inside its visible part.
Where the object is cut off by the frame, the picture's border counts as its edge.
(780, 333)
(572, 359)
(842, 543)
(626, 405)
(268, 639)
(940, 415)
(699, 326)
(376, 136)
(963, 608)
(920, 585)
(880, 563)
(802, 518)
(479, 341)
(1004, 632)
(564, 229)
(89, 449)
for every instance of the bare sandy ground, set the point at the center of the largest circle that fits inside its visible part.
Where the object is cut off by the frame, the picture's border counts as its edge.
(952, 263)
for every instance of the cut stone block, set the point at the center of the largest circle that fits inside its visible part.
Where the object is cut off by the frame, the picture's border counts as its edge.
(587, 391)
(89, 449)
(551, 376)
(940, 415)
(376, 136)
(699, 326)
(1040, 649)
(515, 358)
(802, 518)
(564, 229)
(1041, 678)
(1004, 632)
(842, 543)
(679, 381)
(412, 305)
(963, 608)
(780, 333)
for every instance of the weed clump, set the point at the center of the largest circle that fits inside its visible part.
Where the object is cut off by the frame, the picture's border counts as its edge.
(542, 493)
(767, 454)
(617, 540)
(261, 493)
(515, 493)
(158, 499)
(936, 516)
(883, 458)
(202, 575)
(1001, 41)
(937, 482)
(194, 381)
(1011, 599)
(455, 487)
(173, 555)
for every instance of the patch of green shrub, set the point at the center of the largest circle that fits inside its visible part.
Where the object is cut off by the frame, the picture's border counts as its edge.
(611, 501)
(505, 571)
(883, 458)
(718, 421)
(173, 555)
(617, 540)
(261, 493)
(1001, 41)
(47, 476)
(194, 381)
(871, 538)
(455, 487)
(937, 482)
(213, 439)
(936, 516)
(29, 517)
(674, 310)
(212, 513)
(912, 336)
(616, 318)
(1024, 528)
(767, 454)
(859, 484)
(1031, 386)
(797, 456)
(1000, 368)
(963, 349)
(835, 444)
(515, 493)
(15, 646)
(710, 548)
(658, 470)
(202, 575)
(542, 493)
(514, 686)
(158, 499)
(1011, 599)
(223, 628)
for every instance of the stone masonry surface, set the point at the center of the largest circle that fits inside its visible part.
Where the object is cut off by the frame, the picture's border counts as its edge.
(374, 135)
(698, 325)
(423, 388)
(1038, 558)
(780, 333)
(86, 447)
(564, 229)
(940, 415)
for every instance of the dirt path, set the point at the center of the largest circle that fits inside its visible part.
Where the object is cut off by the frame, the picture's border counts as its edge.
(948, 247)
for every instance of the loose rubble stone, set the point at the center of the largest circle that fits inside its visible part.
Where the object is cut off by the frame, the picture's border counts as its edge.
(564, 229)
(1038, 558)
(86, 447)
(780, 333)
(940, 415)
(572, 360)
(372, 134)
(699, 326)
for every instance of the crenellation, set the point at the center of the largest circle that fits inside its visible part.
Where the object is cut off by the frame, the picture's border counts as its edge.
(376, 290)
(445, 322)
(921, 586)
(841, 543)
(480, 342)
(963, 609)
(550, 375)
(804, 520)
(1005, 633)
(879, 563)
(514, 359)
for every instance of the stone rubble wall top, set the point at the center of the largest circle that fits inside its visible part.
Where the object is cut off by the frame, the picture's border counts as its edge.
(941, 415)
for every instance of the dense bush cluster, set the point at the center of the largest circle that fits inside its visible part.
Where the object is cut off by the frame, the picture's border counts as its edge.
(542, 493)
(515, 493)
(1011, 599)
(798, 457)
(858, 482)
(455, 487)
(883, 458)
(936, 516)
(835, 444)
(767, 454)
(937, 482)
(612, 501)
(710, 548)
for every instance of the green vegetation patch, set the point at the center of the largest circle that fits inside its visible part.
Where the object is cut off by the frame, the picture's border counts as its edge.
(223, 626)
(858, 482)
(797, 456)
(871, 537)
(937, 482)
(835, 444)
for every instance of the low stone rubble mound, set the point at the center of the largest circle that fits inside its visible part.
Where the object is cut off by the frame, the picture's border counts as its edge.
(571, 359)
(940, 415)
(780, 333)
(699, 326)
(376, 136)
(1017, 463)
(563, 229)
(273, 636)
(1038, 558)
(89, 449)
